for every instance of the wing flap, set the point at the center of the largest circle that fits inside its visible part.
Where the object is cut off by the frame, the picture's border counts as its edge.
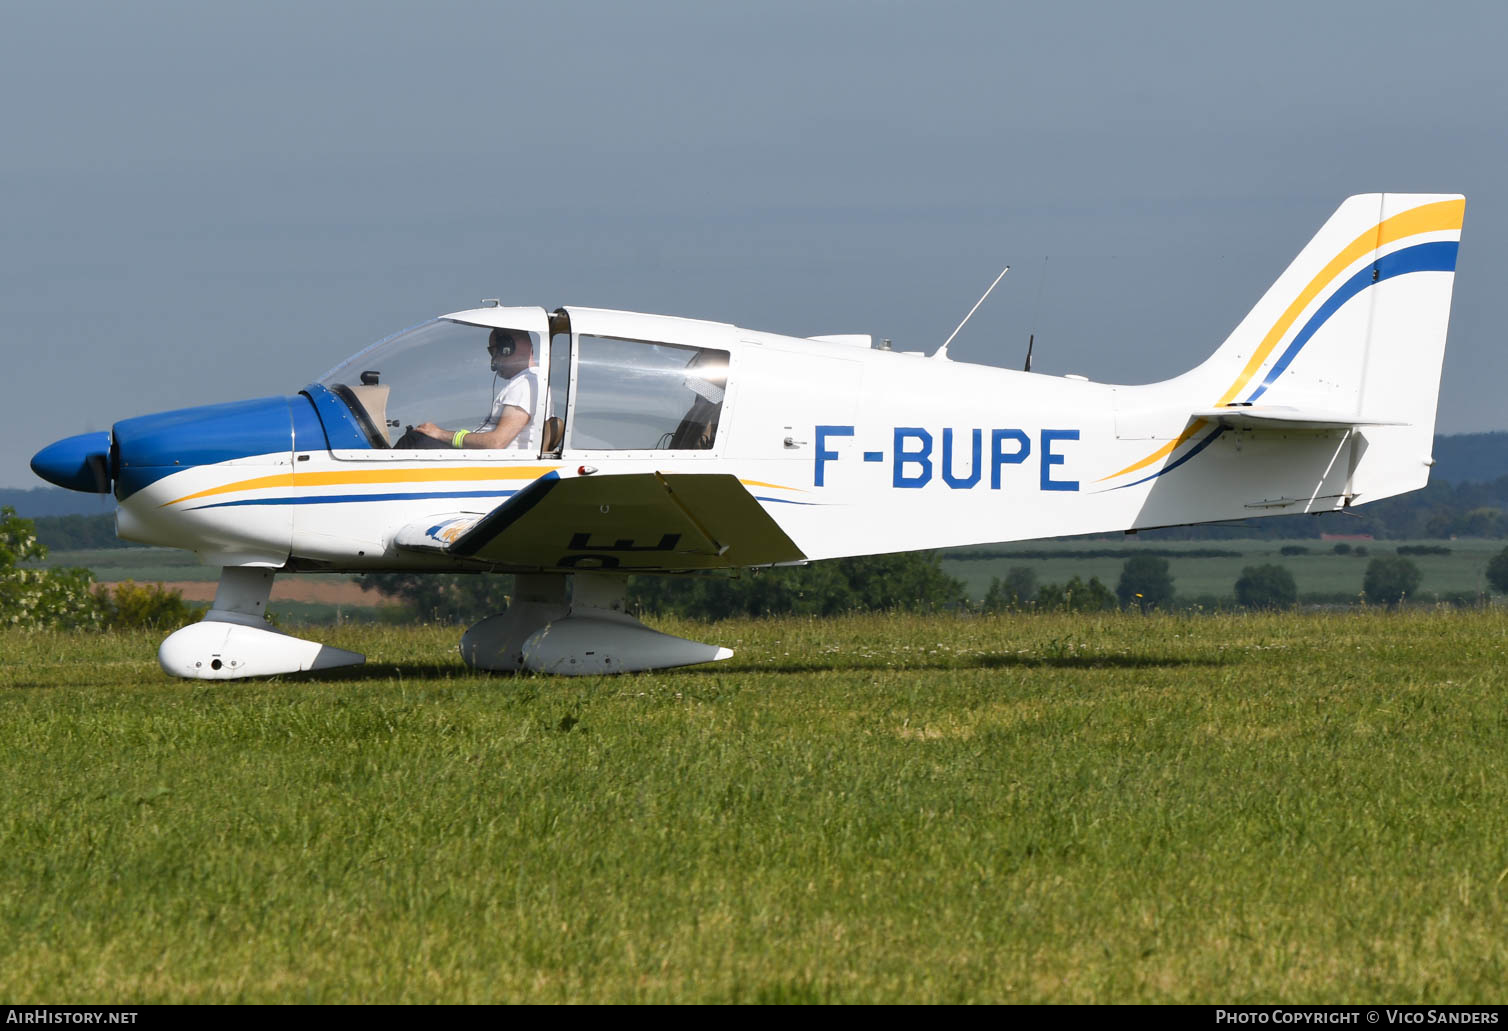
(644, 522)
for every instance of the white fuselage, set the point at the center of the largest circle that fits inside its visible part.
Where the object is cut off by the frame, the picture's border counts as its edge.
(852, 451)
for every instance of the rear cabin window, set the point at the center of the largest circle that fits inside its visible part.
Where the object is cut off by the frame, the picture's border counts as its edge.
(632, 395)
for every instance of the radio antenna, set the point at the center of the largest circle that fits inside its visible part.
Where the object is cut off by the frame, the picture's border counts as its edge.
(1036, 311)
(942, 352)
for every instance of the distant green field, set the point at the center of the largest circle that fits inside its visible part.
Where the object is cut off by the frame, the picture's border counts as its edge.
(144, 565)
(1311, 807)
(1319, 572)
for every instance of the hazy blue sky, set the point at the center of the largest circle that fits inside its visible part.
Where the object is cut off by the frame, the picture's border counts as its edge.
(203, 203)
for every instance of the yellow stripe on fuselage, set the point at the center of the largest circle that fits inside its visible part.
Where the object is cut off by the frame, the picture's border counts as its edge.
(776, 486)
(370, 476)
(1167, 449)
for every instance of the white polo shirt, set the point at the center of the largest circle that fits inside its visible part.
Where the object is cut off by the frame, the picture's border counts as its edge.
(522, 391)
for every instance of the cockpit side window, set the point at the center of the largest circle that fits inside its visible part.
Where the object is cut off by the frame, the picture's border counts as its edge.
(634, 395)
(447, 376)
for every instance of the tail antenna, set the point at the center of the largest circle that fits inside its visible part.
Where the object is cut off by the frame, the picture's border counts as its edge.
(1036, 310)
(942, 352)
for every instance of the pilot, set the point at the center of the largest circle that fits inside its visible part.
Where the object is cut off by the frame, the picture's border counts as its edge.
(511, 422)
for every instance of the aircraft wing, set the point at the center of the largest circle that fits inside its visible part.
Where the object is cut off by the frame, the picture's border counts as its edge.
(1283, 417)
(641, 522)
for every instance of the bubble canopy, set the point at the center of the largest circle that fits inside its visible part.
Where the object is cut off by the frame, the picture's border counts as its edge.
(440, 371)
(586, 393)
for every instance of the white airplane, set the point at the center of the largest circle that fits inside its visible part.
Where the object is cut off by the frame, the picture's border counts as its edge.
(610, 443)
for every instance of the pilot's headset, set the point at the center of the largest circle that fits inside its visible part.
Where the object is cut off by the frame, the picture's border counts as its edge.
(500, 345)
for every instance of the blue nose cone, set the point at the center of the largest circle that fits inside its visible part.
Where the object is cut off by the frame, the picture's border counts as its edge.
(78, 463)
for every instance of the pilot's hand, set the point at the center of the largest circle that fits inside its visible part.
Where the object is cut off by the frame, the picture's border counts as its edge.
(429, 429)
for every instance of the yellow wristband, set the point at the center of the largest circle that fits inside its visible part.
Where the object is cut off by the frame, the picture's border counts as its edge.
(460, 436)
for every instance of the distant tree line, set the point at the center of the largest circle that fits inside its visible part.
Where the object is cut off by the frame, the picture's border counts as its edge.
(1146, 584)
(973, 554)
(913, 582)
(80, 532)
(910, 582)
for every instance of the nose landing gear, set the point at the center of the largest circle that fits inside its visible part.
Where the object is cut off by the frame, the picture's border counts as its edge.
(233, 640)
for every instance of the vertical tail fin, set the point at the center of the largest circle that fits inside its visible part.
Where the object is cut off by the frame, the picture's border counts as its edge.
(1355, 326)
(1314, 336)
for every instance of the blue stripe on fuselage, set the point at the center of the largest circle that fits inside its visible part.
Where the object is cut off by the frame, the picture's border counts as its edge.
(1206, 442)
(341, 499)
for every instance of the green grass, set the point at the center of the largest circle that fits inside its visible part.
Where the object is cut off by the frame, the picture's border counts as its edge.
(1109, 808)
(1319, 572)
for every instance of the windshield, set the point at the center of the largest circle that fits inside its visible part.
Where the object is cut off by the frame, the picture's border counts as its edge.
(448, 375)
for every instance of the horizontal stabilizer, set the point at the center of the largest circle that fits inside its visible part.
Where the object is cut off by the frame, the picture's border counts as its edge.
(644, 522)
(1283, 417)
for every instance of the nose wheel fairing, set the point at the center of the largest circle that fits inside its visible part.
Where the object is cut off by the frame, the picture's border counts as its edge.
(234, 641)
(215, 650)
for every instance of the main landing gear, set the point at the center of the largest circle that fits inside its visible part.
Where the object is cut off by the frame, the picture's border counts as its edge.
(575, 629)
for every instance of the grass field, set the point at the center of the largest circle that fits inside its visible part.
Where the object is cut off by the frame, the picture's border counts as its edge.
(1112, 808)
(1319, 572)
